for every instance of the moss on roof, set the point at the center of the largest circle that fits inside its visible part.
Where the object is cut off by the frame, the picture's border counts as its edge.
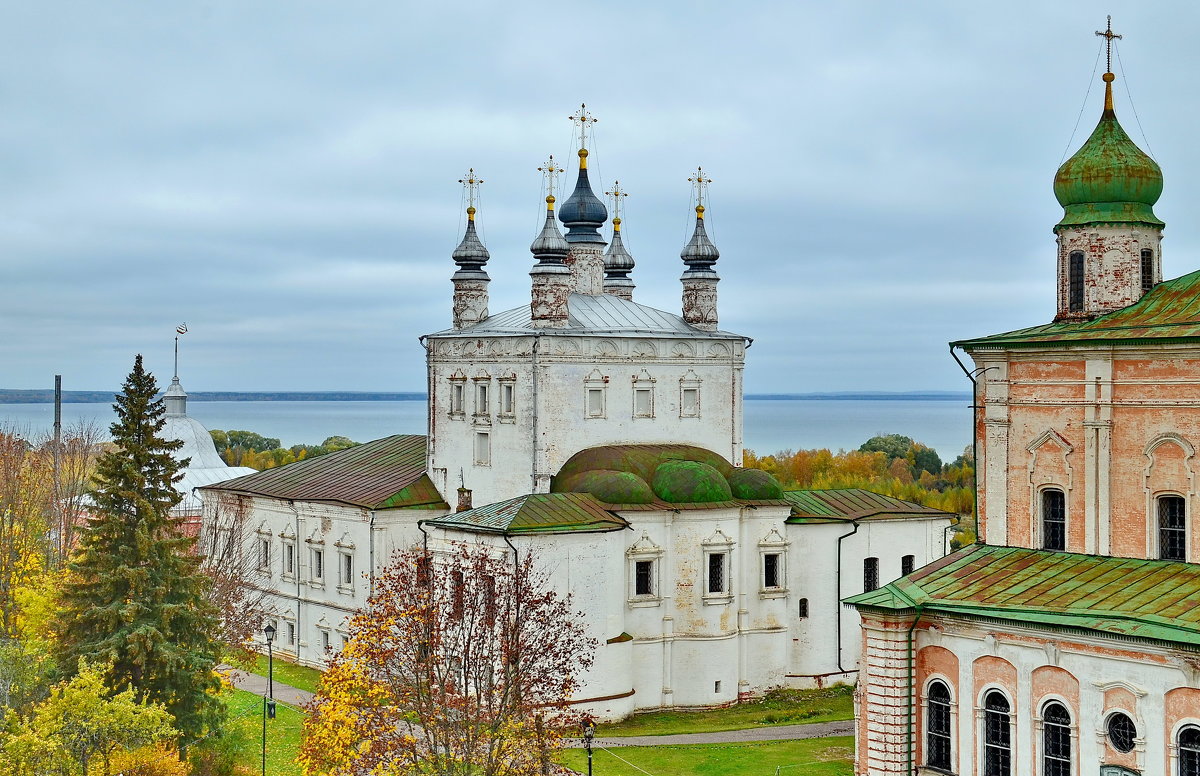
(689, 481)
(754, 484)
(610, 486)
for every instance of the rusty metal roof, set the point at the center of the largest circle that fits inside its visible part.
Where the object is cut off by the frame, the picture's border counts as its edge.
(536, 513)
(388, 473)
(1170, 312)
(813, 506)
(1150, 599)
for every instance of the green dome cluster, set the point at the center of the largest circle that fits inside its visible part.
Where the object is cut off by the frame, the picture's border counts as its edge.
(676, 474)
(1109, 179)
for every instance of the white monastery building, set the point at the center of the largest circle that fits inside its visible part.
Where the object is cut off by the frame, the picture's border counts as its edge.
(604, 437)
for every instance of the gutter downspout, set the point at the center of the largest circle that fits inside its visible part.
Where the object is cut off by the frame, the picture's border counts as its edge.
(838, 604)
(424, 536)
(912, 682)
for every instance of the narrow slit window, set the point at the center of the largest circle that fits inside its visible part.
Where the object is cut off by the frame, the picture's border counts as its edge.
(289, 559)
(264, 553)
(1054, 520)
(318, 567)
(1172, 530)
(1075, 281)
(1147, 269)
(482, 406)
(291, 633)
(347, 569)
(456, 397)
(507, 403)
(870, 574)
(997, 736)
(937, 726)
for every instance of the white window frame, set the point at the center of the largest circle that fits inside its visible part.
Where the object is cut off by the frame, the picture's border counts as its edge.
(643, 385)
(482, 455)
(316, 566)
(645, 551)
(1156, 525)
(773, 544)
(458, 396)
(507, 400)
(483, 397)
(689, 382)
(345, 581)
(264, 553)
(598, 383)
(721, 544)
(923, 702)
(287, 559)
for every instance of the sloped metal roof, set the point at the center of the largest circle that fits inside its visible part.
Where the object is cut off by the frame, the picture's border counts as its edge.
(853, 504)
(1151, 599)
(1170, 312)
(536, 513)
(387, 473)
(587, 314)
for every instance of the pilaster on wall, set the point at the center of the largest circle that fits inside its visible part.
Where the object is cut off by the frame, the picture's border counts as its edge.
(884, 698)
(1097, 426)
(993, 517)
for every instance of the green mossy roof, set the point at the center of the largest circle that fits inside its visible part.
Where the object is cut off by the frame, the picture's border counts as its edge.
(536, 513)
(1168, 313)
(754, 484)
(681, 482)
(610, 486)
(1130, 597)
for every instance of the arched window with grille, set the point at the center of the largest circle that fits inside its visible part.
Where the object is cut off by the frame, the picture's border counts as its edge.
(1147, 269)
(1075, 281)
(1056, 740)
(1189, 751)
(937, 726)
(1172, 530)
(1054, 520)
(997, 735)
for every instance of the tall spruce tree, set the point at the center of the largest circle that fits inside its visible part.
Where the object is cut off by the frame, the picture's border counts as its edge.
(135, 597)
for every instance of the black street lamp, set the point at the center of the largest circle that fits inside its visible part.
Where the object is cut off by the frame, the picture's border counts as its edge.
(589, 732)
(269, 698)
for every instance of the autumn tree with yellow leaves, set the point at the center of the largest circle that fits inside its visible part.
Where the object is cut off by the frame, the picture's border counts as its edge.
(462, 663)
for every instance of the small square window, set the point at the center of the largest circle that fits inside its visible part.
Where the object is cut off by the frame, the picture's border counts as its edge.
(318, 565)
(595, 402)
(643, 577)
(771, 570)
(689, 403)
(643, 403)
(507, 400)
(483, 449)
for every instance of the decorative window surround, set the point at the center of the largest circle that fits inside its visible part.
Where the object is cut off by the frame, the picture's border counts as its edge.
(689, 395)
(595, 395)
(458, 396)
(482, 398)
(506, 407)
(644, 550)
(483, 448)
(773, 544)
(643, 395)
(718, 591)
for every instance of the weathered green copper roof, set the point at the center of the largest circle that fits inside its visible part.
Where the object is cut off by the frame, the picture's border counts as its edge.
(1109, 179)
(1170, 312)
(1130, 597)
(536, 513)
(387, 473)
(819, 506)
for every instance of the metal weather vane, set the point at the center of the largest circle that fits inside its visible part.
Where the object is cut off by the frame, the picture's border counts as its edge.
(1109, 36)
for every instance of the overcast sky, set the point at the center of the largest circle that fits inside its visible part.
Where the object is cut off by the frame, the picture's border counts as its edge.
(283, 176)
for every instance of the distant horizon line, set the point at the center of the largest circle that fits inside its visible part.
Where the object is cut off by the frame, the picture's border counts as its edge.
(46, 396)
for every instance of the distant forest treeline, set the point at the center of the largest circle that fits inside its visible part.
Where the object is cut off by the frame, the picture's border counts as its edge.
(46, 396)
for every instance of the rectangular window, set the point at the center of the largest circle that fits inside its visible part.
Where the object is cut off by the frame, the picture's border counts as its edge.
(1054, 520)
(507, 401)
(595, 402)
(771, 570)
(456, 397)
(870, 574)
(716, 572)
(643, 403)
(907, 564)
(318, 565)
(347, 569)
(1075, 281)
(264, 553)
(802, 608)
(689, 403)
(481, 399)
(1147, 269)
(643, 577)
(289, 559)
(1172, 531)
(291, 633)
(325, 640)
(483, 449)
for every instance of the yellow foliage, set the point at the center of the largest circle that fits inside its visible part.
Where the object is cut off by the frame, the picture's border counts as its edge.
(160, 760)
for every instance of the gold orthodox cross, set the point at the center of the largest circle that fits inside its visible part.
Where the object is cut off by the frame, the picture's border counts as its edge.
(471, 184)
(550, 170)
(582, 118)
(1109, 36)
(700, 182)
(616, 195)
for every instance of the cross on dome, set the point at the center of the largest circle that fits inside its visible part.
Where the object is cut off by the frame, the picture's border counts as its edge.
(471, 184)
(581, 119)
(1109, 36)
(616, 195)
(700, 183)
(550, 171)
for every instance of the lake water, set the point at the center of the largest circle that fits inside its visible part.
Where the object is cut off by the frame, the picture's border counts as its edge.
(770, 425)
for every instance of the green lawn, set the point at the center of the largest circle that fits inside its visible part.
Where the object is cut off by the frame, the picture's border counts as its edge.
(808, 757)
(780, 707)
(283, 734)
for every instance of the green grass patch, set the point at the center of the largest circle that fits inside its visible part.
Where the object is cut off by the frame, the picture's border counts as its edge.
(808, 757)
(283, 734)
(778, 707)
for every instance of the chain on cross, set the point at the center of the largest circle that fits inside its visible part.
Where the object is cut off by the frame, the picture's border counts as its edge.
(550, 171)
(615, 196)
(1109, 36)
(700, 182)
(582, 119)
(471, 184)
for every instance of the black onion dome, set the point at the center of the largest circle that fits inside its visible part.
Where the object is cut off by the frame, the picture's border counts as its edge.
(700, 254)
(583, 213)
(470, 255)
(549, 247)
(618, 263)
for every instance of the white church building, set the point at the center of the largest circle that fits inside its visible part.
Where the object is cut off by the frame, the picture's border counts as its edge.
(605, 437)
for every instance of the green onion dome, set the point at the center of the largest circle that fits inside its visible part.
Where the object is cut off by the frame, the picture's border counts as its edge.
(754, 485)
(1109, 179)
(689, 482)
(611, 487)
